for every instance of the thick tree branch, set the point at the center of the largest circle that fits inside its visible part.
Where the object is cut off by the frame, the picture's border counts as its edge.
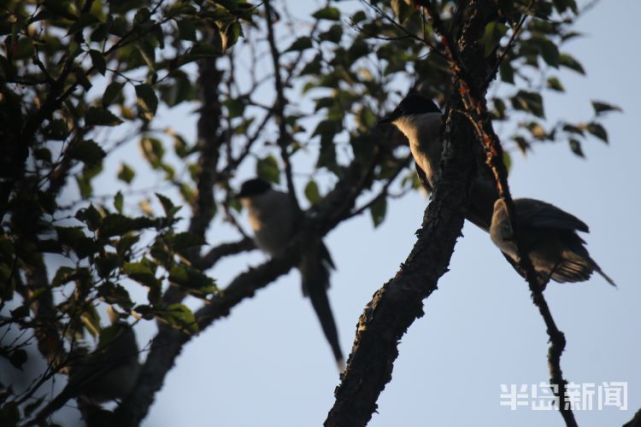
(476, 109)
(635, 421)
(399, 302)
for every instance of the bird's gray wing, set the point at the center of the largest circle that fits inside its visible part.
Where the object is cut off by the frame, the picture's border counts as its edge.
(537, 214)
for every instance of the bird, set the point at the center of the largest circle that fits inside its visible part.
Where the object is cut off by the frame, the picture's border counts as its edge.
(108, 373)
(275, 220)
(547, 232)
(549, 236)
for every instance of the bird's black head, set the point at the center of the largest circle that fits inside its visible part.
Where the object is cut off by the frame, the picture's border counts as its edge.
(254, 187)
(413, 103)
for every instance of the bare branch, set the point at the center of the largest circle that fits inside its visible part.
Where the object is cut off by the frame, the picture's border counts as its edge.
(214, 255)
(279, 107)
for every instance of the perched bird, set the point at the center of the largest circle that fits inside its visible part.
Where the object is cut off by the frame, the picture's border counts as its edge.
(275, 220)
(549, 236)
(547, 232)
(108, 373)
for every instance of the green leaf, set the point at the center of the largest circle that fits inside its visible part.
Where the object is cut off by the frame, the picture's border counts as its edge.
(312, 193)
(98, 61)
(125, 243)
(89, 216)
(378, 210)
(118, 202)
(300, 44)
(555, 84)
(528, 101)
(575, 146)
(87, 152)
(167, 205)
(147, 100)
(152, 150)
(235, 107)
(549, 52)
(568, 61)
(63, 275)
(126, 173)
(328, 13)
(507, 161)
(107, 263)
(141, 272)
(75, 238)
(113, 92)
(599, 131)
(506, 72)
(113, 293)
(97, 116)
(179, 316)
(191, 278)
(267, 168)
(603, 107)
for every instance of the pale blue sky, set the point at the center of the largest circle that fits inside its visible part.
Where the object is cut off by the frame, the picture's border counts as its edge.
(268, 364)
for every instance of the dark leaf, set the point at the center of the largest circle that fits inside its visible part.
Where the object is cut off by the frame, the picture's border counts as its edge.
(147, 100)
(267, 168)
(328, 13)
(179, 316)
(126, 174)
(603, 107)
(18, 358)
(118, 202)
(299, 44)
(597, 130)
(97, 116)
(87, 152)
(142, 273)
(112, 94)
(98, 61)
(555, 84)
(312, 193)
(63, 275)
(378, 210)
(575, 146)
(568, 61)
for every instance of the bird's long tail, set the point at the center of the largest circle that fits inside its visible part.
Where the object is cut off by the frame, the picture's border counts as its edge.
(315, 274)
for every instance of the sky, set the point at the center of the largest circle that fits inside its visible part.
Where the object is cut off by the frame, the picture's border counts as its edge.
(268, 364)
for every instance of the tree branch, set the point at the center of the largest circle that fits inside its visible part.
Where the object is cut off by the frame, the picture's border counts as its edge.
(398, 303)
(279, 107)
(214, 255)
(476, 108)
